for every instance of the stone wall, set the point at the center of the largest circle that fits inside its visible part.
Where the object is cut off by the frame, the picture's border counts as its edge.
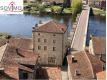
(59, 45)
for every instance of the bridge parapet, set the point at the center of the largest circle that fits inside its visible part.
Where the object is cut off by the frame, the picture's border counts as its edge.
(79, 38)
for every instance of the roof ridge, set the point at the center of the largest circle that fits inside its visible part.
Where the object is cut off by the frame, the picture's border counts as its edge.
(44, 23)
(57, 25)
(91, 66)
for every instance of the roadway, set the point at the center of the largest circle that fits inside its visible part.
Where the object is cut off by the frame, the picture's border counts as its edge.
(79, 39)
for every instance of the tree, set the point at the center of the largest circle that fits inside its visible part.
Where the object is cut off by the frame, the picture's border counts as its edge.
(76, 6)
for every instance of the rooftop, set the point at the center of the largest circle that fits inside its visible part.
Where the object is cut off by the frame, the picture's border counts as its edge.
(50, 26)
(84, 65)
(23, 43)
(101, 75)
(99, 45)
(13, 60)
(53, 73)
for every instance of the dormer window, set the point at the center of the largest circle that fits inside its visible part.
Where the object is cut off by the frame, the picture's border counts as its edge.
(77, 72)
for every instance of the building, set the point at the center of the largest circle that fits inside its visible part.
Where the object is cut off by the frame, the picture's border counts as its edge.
(83, 66)
(97, 47)
(17, 63)
(101, 75)
(50, 42)
(48, 73)
(97, 3)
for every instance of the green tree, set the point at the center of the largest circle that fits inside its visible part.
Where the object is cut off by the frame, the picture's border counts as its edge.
(76, 6)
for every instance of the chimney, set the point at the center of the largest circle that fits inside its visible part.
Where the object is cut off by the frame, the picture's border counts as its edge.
(40, 21)
(73, 59)
(33, 27)
(77, 72)
(36, 25)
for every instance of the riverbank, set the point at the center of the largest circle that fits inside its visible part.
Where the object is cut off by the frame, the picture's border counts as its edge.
(98, 12)
(5, 36)
(36, 8)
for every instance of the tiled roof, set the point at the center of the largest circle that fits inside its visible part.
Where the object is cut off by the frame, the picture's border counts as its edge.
(99, 45)
(50, 26)
(53, 73)
(22, 43)
(101, 75)
(84, 65)
(10, 61)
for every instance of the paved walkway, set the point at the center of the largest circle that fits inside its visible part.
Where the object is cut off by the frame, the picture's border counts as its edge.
(79, 40)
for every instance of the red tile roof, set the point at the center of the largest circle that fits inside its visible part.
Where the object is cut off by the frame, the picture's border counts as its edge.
(101, 75)
(11, 58)
(86, 64)
(50, 26)
(53, 73)
(23, 43)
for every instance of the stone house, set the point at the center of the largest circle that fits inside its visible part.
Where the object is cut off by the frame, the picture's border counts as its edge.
(97, 3)
(50, 42)
(97, 47)
(83, 66)
(17, 63)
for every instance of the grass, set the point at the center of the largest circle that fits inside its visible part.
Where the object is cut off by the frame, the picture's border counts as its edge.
(54, 9)
(98, 11)
(68, 10)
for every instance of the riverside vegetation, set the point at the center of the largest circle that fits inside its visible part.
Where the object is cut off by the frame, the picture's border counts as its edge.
(38, 8)
(5, 36)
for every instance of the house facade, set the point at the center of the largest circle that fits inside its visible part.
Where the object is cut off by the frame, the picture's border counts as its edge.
(97, 3)
(50, 42)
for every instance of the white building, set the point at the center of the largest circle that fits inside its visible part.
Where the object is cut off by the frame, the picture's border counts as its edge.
(50, 42)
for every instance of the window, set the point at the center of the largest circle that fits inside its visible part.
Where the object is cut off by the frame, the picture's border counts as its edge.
(25, 75)
(54, 41)
(54, 48)
(45, 47)
(45, 40)
(38, 33)
(54, 35)
(38, 39)
(39, 47)
(51, 59)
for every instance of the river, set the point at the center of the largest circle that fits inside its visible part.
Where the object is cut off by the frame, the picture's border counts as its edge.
(22, 24)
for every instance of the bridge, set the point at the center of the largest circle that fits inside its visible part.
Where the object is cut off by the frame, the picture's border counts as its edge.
(79, 37)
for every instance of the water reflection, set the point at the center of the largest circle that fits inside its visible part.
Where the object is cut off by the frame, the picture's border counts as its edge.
(97, 27)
